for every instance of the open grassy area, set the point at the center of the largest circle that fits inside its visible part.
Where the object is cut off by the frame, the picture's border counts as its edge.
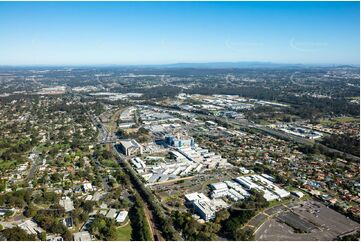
(5, 165)
(109, 163)
(340, 120)
(124, 233)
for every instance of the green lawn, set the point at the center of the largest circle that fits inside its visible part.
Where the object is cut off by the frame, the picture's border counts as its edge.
(124, 233)
(5, 165)
(340, 120)
(109, 163)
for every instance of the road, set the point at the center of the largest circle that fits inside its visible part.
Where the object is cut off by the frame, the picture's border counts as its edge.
(170, 181)
(34, 164)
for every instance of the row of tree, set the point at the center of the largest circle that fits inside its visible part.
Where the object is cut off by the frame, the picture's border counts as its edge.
(140, 226)
(163, 222)
(343, 142)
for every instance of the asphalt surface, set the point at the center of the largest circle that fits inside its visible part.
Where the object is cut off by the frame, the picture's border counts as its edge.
(316, 220)
(296, 222)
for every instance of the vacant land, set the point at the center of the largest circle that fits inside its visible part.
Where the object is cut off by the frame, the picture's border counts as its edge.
(124, 233)
(340, 120)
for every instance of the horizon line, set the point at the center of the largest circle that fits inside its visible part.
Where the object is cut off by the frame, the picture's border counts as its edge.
(180, 63)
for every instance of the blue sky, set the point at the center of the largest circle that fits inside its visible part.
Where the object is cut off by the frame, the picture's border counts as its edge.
(51, 33)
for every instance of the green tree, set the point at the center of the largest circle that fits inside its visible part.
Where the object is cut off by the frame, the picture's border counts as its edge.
(68, 236)
(17, 234)
(42, 236)
(221, 216)
(30, 211)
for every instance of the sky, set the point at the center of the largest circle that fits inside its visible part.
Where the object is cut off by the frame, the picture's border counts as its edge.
(91, 33)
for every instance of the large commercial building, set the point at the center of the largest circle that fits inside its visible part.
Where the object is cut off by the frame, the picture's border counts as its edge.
(229, 189)
(179, 140)
(271, 192)
(130, 147)
(206, 208)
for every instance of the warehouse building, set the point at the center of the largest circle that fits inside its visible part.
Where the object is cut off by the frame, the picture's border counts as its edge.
(206, 208)
(130, 147)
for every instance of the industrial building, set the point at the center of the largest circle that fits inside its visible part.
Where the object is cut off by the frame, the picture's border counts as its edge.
(302, 132)
(228, 189)
(138, 163)
(271, 192)
(130, 147)
(206, 208)
(235, 191)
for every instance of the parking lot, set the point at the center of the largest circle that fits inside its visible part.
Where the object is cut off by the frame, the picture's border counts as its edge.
(326, 218)
(258, 220)
(275, 209)
(198, 183)
(308, 221)
(296, 222)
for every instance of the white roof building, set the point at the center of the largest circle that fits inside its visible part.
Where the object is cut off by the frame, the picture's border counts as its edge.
(67, 204)
(246, 182)
(82, 236)
(87, 187)
(268, 177)
(298, 194)
(130, 147)
(205, 207)
(30, 227)
(122, 215)
(219, 186)
(112, 213)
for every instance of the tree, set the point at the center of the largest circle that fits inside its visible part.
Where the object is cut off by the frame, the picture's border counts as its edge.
(30, 211)
(221, 216)
(139, 222)
(68, 236)
(2, 185)
(103, 228)
(9, 213)
(17, 234)
(42, 236)
(240, 214)
(50, 220)
(88, 206)
(244, 234)
(192, 230)
(83, 217)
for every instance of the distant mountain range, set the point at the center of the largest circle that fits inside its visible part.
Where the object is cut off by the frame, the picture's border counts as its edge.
(206, 65)
(228, 65)
(225, 65)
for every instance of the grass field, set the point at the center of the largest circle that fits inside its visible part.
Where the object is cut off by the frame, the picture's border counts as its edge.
(124, 233)
(340, 120)
(5, 165)
(109, 163)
